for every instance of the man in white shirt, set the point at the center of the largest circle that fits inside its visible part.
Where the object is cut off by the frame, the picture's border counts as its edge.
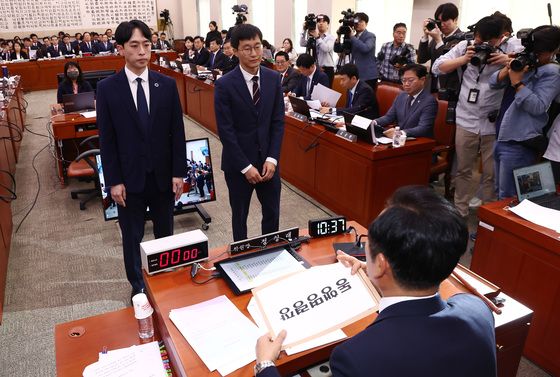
(322, 45)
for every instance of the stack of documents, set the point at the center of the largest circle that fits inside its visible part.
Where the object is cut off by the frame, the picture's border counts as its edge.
(136, 361)
(547, 217)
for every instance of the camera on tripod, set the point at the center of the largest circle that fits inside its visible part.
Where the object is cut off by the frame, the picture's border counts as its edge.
(241, 11)
(344, 31)
(528, 56)
(482, 54)
(310, 22)
(165, 15)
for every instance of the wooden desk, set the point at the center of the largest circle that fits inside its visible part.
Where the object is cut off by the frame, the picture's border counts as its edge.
(524, 259)
(172, 290)
(68, 130)
(179, 80)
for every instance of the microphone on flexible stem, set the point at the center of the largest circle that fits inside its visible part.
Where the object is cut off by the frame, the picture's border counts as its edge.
(549, 13)
(356, 249)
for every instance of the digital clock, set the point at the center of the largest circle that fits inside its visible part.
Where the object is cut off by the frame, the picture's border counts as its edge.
(174, 251)
(327, 227)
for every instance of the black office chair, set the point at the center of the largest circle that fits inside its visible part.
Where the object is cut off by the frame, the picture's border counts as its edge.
(85, 167)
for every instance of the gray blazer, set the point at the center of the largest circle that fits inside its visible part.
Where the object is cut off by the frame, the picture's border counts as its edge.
(363, 55)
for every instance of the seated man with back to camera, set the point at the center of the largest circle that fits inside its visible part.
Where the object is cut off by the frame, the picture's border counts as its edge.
(360, 98)
(395, 54)
(311, 75)
(413, 245)
(414, 110)
(290, 76)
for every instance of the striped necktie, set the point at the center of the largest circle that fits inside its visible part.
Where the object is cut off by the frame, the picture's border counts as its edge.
(256, 90)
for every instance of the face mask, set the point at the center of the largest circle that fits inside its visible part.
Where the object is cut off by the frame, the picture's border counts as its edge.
(73, 75)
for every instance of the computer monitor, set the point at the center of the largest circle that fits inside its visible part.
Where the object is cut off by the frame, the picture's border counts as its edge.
(534, 181)
(78, 102)
(199, 162)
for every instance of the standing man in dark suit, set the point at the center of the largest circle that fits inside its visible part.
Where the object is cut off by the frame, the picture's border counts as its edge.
(290, 76)
(310, 76)
(87, 45)
(415, 109)
(360, 98)
(103, 45)
(433, 44)
(142, 141)
(250, 114)
(201, 54)
(414, 244)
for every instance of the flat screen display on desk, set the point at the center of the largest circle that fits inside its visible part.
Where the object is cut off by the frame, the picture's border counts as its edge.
(198, 186)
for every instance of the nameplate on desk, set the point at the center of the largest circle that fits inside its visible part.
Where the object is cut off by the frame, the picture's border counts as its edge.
(299, 116)
(86, 127)
(347, 136)
(260, 242)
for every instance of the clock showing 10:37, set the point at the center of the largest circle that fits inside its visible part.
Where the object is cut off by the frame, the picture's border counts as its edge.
(327, 227)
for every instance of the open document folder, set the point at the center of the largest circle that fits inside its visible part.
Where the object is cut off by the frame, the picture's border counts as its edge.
(314, 302)
(324, 94)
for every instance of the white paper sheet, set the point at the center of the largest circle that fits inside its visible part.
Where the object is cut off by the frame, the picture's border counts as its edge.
(361, 122)
(324, 94)
(547, 217)
(314, 104)
(89, 114)
(221, 335)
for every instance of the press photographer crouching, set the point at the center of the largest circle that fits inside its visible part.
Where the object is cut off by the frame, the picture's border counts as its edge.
(535, 76)
(478, 104)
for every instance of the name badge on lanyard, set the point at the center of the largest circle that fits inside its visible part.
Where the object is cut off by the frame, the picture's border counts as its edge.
(473, 96)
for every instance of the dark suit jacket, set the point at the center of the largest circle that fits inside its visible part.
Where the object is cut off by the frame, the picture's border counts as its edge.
(65, 51)
(228, 64)
(201, 57)
(65, 87)
(100, 47)
(418, 120)
(22, 54)
(319, 77)
(54, 53)
(290, 80)
(218, 59)
(427, 51)
(363, 55)
(36, 47)
(426, 337)
(249, 133)
(364, 102)
(84, 47)
(161, 43)
(125, 147)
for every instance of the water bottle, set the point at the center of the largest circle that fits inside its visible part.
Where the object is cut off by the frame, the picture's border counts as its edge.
(5, 72)
(143, 313)
(398, 137)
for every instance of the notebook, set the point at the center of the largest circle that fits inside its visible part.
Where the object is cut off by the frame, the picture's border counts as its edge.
(536, 183)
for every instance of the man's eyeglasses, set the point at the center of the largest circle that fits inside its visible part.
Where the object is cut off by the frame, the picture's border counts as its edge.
(409, 80)
(248, 49)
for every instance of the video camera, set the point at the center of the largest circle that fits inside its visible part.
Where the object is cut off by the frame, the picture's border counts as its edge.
(482, 53)
(241, 11)
(344, 31)
(310, 22)
(528, 56)
(165, 15)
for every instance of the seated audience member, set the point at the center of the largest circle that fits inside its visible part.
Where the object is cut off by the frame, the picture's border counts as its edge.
(552, 153)
(201, 55)
(86, 47)
(66, 47)
(95, 37)
(214, 33)
(230, 61)
(154, 39)
(290, 76)
(42, 51)
(73, 82)
(54, 48)
(163, 43)
(103, 45)
(18, 52)
(268, 50)
(521, 140)
(288, 47)
(35, 44)
(110, 37)
(4, 51)
(76, 42)
(216, 54)
(311, 76)
(26, 44)
(413, 245)
(188, 55)
(223, 33)
(360, 98)
(395, 54)
(415, 109)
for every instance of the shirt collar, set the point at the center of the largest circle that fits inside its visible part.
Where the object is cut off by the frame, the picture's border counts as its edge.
(453, 32)
(131, 76)
(416, 95)
(248, 77)
(353, 90)
(310, 77)
(385, 302)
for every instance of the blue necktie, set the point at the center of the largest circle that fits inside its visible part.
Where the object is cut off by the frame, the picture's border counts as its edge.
(349, 102)
(212, 60)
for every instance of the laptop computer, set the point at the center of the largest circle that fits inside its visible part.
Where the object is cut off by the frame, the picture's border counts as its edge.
(78, 102)
(536, 183)
(300, 106)
(368, 135)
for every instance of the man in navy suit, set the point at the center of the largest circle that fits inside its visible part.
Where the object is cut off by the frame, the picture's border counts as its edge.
(87, 45)
(216, 55)
(230, 61)
(360, 98)
(142, 141)
(310, 76)
(66, 47)
(413, 245)
(249, 107)
(290, 76)
(201, 54)
(415, 109)
(363, 50)
(103, 45)
(54, 48)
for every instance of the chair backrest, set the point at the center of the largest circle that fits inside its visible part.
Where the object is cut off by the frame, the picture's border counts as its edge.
(386, 94)
(444, 133)
(93, 77)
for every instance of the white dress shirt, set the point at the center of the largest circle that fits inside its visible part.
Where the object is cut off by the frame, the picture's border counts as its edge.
(248, 77)
(131, 77)
(385, 302)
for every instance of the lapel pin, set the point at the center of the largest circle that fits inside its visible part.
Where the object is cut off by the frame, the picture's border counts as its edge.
(156, 85)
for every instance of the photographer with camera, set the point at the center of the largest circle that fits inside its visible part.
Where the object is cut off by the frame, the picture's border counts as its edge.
(318, 43)
(477, 106)
(433, 44)
(395, 55)
(535, 76)
(360, 43)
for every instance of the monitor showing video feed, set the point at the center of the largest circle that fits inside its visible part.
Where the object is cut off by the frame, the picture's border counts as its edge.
(198, 186)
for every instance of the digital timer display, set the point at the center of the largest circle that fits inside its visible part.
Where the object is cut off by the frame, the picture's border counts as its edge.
(327, 227)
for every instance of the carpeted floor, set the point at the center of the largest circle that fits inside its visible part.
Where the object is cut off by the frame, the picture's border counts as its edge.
(67, 264)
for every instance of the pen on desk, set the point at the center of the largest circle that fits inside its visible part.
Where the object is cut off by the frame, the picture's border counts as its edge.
(473, 290)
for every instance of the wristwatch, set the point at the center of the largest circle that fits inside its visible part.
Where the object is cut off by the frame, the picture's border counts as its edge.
(262, 365)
